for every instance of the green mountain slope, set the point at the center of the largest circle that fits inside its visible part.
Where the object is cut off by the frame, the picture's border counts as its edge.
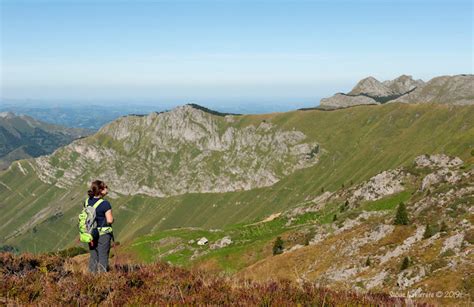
(356, 144)
(23, 137)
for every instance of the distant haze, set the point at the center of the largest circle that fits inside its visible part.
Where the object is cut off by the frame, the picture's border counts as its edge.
(224, 53)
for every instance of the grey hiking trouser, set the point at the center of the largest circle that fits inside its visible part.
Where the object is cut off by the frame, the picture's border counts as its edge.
(99, 254)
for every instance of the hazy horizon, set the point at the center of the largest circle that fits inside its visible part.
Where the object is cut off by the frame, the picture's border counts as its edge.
(223, 53)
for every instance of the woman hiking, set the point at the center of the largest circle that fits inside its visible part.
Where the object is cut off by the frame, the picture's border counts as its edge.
(99, 247)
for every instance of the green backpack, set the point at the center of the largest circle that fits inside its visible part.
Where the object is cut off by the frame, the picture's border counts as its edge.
(87, 221)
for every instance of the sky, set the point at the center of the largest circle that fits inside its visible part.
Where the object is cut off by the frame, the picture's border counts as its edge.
(228, 52)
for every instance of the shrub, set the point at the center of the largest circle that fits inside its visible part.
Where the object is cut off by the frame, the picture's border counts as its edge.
(368, 262)
(278, 246)
(344, 206)
(405, 263)
(469, 236)
(24, 282)
(468, 285)
(438, 264)
(429, 231)
(401, 217)
(71, 252)
(443, 227)
(8, 248)
(448, 253)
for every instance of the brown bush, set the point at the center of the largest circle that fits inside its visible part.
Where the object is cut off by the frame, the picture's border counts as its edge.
(45, 280)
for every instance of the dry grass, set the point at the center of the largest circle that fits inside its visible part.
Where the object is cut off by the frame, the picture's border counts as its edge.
(50, 280)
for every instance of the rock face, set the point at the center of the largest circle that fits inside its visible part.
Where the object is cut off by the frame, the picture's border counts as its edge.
(437, 161)
(457, 90)
(381, 185)
(343, 101)
(185, 150)
(221, 243)
(371, 87)
(443, 169)
(402, 85)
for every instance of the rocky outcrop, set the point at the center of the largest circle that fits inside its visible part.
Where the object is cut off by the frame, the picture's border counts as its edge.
(437, 161)
(225, 241)
(457, 90)
(341, 100)
(444, 169)
(185, 150)
(202, 241)
(381, 185)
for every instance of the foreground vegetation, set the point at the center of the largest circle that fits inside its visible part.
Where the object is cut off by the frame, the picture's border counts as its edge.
(51, 280)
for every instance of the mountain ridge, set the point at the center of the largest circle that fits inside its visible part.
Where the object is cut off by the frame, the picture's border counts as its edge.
(457, 89)
(199, 139)
(22, 136)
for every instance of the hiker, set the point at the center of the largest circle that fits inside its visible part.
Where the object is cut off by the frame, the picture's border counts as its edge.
(102, 236)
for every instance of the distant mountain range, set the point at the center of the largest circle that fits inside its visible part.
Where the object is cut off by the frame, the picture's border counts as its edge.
(86, 116)
(23, 137)
(456, 90)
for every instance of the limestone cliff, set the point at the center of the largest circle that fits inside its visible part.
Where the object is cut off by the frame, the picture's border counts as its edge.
(185, 150)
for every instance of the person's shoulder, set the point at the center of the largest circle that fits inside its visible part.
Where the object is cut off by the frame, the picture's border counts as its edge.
(106, 204)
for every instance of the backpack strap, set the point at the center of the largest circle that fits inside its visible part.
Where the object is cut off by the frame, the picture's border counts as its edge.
(97, 203)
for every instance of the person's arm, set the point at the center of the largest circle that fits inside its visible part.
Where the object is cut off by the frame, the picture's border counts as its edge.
(109, 217)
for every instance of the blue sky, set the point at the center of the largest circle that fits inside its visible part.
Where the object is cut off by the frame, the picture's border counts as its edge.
(229, 51)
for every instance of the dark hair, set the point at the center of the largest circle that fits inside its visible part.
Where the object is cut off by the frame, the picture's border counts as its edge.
(96, 187)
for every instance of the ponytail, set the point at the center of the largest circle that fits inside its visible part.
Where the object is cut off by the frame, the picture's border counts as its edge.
(96, 188)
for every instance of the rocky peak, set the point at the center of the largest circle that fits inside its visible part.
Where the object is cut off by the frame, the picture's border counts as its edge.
(371, 87)
(403, 84)
(457, 90)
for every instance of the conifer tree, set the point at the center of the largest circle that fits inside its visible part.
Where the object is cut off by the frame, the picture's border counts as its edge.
(429, 231)
(405, 263)
(367, 262)
(401, 218)
(278, 246)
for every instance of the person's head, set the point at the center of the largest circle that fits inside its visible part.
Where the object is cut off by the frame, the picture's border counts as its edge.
(98, 189)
